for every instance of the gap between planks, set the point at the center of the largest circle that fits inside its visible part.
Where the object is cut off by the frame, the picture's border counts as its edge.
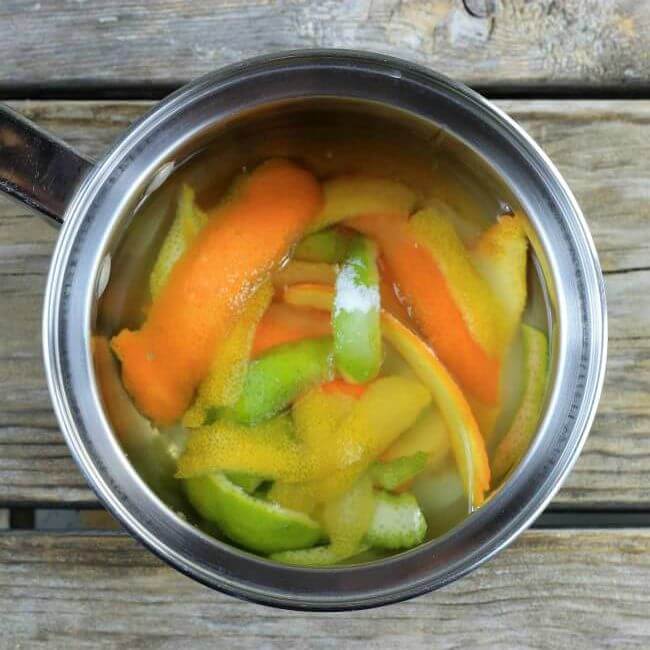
(70, 519)
(549, 589)
(155, 92)
(574, 44)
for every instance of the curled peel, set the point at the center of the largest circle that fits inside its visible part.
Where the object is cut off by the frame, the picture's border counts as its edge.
(466, 441)
(165, 360)
(500, 256)
(440, 311)
(354, 195)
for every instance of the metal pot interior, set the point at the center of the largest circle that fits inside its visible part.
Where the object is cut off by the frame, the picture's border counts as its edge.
(328, 137)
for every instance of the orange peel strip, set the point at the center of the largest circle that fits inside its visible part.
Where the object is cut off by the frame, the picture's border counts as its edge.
(164, 361)
(436, 313)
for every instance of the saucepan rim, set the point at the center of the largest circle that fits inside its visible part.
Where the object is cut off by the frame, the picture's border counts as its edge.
(98, 207)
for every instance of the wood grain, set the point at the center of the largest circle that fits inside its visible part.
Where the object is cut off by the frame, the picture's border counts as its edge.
(550, 590)
(601, 147)
(574, 43)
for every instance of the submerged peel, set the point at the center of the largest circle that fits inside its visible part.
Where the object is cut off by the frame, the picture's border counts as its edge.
(467, 443)
(318, 416)
(518, 437)
(329, 246)
(283, 323)
(266, 450)
(188, 222)
(165, 360)
(428, 435)
(354, 195)
(255, 524)
(397, 522)
(346, 521)
(469, 290)
(299, 271)
(390, 298)
(307, 495)
(274, 450)
(275, 379)
(224, 382)
(355, 315)
(500, 257)
(435, 310)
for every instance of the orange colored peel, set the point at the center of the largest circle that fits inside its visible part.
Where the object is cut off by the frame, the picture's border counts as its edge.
(342, 386)
(389, 298)
(432, 230)
(284, 323)
(164, 361)
(438, 316)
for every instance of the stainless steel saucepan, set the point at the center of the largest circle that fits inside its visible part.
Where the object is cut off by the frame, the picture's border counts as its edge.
(95, 204)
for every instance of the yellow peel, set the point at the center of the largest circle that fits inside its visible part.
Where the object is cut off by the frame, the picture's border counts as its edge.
(500, 257)
(189, 220)
(429, 435)
(353, 195)
(306, 496)
(466, 440)
(467, 443)
(517, 439)
(388, 407)
(469, 289)
(225, 380)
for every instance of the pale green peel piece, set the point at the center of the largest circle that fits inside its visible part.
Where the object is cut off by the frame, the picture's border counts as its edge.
(346, 521)
(255, 524)
(355, 315)
(396, 472)
(517, 439)
(398, 522)
(330, 246)
(189, 220)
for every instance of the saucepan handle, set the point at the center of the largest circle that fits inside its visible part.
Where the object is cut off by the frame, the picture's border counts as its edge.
(37, 168)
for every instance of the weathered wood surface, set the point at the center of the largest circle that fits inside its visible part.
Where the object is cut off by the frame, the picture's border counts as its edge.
(573, 44)
(601, 147)
(578, 589)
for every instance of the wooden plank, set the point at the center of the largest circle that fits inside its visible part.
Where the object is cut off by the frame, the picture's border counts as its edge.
(551, 589)
(599, 146)
(4, 518)
(35, 465)
(613, 467)
(573, 44)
